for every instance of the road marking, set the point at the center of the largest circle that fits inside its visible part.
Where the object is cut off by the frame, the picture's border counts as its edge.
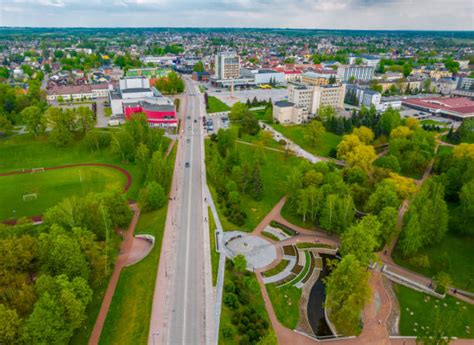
(187, 238)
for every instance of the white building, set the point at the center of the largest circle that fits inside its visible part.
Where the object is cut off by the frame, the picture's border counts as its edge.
(159, 60)
(264, 76)
(347, 72)
(368, 60)
(78, 92)
(227, 66)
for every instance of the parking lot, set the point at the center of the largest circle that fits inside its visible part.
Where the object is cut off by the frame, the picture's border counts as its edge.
(230, 98)
(215, 121)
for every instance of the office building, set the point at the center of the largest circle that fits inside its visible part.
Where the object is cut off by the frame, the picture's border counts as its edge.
(263, 76)
(227, 66)
(348, 72)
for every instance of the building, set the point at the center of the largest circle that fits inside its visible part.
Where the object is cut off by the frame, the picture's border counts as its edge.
(78, 92)
(151, 72)
(368, 60)
(348, 72)
(134, 95)
(357, 95)
(227, 66)
(314, 78)
(440, 73)
(305, 100)
(444, 86)
(457, 109)
(200, 76)
(285, 112)
(263, 76)
(166, 60)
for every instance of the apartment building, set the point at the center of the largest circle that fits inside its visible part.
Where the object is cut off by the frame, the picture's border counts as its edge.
(313, 78)
(348, 72)
(328, 95)
(227, 66)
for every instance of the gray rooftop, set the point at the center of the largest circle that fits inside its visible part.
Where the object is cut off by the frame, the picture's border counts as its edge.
(283, 104)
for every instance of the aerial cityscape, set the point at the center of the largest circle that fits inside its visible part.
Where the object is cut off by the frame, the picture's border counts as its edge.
(248, 172)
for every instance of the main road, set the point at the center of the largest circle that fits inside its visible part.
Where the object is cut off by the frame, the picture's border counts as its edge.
(182, 305)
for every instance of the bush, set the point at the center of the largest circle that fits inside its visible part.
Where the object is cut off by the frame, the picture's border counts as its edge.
(230, 300)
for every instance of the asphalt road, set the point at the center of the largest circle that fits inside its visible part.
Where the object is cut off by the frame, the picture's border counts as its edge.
(188, 309)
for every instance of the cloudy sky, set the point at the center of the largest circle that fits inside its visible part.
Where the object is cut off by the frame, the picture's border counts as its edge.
(325, 14)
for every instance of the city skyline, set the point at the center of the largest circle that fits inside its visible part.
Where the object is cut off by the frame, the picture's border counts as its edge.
(307, 14)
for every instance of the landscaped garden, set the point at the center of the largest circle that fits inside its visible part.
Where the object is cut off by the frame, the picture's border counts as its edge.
(285, 301)
(419, 311)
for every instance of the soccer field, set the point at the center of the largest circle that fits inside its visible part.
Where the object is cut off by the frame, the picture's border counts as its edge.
(31, 194)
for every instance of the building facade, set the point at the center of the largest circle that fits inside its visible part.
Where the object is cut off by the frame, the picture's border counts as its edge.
(227, 66)
(348, 72)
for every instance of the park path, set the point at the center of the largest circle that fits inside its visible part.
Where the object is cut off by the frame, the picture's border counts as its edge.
(122, 261)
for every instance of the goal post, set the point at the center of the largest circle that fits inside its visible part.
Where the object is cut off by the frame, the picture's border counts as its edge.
(35, 170)
(30, 197)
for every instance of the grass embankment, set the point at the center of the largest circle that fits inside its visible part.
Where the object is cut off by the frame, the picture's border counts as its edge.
(307, 245)
(216, 105)
(48, 188)
(277, 269)
(214, 254)
(285, 301)
(129, 314)
(453, 255)
(418, 309)
(296, 133)
(274, 171)
(242, 284)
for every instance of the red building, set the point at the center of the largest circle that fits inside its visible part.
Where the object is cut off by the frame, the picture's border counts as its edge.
(159, 115)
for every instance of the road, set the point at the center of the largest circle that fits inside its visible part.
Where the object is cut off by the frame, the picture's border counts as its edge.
(180, 315)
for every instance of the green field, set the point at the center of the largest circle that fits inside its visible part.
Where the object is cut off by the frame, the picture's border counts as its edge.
(129, 314)
(214, 254)
(274, 172)
(417, 307)
(216, 105)
(26, 152)
(50, 187)
(285, 301)
(453, 255)
(433, 122)
(296, 133)
(277, 269)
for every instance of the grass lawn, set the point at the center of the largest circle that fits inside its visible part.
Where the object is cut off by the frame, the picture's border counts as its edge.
(327, 142)
(433, 122)
(128, 318)
(129, 314)
(261, 137)
(443, 149)
(453, 255)
(304, 271)
(294, 219)
(52, 186)
(251, 286)
(214, 254)
(216, 105)
(285, 301)
(423, 308)
(306, 245)
(274, 172)
(277, 269)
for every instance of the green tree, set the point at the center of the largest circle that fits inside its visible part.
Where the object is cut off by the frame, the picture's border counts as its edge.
(466, 198)
(33, 118)
(348, 291)
(11, 323)
(388, 219)
(256, 184)
(152, 196)
(198, 67)
(61, 124)
(237, 111)
(240, 263)
(385, 195)
(84, 119)
(442, 281)
(313, 132)
(249, 123)
(360, 239)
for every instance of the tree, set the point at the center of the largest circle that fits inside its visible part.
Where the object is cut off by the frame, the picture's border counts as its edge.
(466, 198)
(84, 119)
(337, 213)
(198, 67)
(5, 124)
(348, 291)
(442, 281)
(389, 120)
(326, 113)
(33, 118)
(427, 85)
(152, 196)
(385, 195)
(388, 223)
(314, 131)
(256, 184)
(360, 239)
(61, 124)
(240, 263)
(364, 134)
(249, 124)
(142, 157)
(9, 332)
(237, 111)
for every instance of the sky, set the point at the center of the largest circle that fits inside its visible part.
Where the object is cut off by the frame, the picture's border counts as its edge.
(321, 14)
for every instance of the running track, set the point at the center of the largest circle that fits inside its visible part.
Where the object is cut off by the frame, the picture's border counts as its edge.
(28, 171)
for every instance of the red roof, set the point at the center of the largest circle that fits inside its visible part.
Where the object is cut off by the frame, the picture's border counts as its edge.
(463, 106)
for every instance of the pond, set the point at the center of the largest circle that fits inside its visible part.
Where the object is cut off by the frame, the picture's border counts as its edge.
(316, 300)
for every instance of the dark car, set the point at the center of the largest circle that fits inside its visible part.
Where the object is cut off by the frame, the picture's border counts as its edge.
(186, 165)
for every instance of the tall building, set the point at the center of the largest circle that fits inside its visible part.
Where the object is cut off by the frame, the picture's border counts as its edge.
(346, 72)
(227, 66)
(305, 100)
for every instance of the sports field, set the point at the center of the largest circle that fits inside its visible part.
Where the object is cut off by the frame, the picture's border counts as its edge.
(30, 194)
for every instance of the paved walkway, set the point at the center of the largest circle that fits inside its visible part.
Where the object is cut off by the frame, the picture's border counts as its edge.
(122, 261)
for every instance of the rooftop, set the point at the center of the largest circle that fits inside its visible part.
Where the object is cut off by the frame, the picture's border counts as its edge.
(463, 106)
(283, 104)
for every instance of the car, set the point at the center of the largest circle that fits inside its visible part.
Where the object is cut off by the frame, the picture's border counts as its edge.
(188, 140)
(189, 117)
(195, 121)
(186, 165)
